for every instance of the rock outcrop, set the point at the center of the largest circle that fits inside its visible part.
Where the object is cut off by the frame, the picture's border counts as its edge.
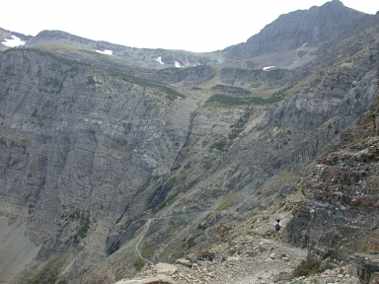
(339, 218)
(106, 167)
(303, 28)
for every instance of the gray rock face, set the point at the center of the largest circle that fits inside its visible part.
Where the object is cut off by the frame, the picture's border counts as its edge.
(301, 28)
(78, 145)
(339, 218)
(102, 162)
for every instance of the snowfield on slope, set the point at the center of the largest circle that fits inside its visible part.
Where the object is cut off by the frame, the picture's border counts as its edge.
(269, 68)
(178, 64)
(159, 60)
(13, 41)
(105, 51)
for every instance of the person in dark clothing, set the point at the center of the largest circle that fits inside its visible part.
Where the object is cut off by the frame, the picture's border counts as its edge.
(277, 225)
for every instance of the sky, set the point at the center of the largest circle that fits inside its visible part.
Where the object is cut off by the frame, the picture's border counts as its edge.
(195, 25)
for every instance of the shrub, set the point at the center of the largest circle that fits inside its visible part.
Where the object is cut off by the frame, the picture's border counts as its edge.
(84, 226)
(228, 201)
(307, 267)
(139, 264)
(235, 101)
(220, 145)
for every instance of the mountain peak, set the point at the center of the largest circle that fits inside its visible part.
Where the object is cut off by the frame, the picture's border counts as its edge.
(334, 3)
(311, 27)
(54, 35)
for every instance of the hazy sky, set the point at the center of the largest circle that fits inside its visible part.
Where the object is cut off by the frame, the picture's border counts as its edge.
(197, 25)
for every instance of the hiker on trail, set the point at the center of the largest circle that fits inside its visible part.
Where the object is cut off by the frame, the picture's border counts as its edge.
(277, 225)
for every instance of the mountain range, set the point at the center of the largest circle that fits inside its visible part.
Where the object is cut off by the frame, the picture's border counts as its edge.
(113, 158)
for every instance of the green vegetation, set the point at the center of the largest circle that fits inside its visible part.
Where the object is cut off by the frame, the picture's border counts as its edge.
(220, 145)
(235, 101)
(170, 198)
(225, 204)
(255, 84)
(139, 264)
(171, 93)
(84, 225)
(307, 267)
(238, 127)
(147, 251)
(171, 181)
(169, 201)
(82, 218)
(176, 250)
(14, 140)
(228, 201)
(48, 273)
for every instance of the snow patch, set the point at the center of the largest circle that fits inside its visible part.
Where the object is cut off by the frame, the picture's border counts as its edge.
(178, 64)
(269, 68)
(14, 41)
(159, 60)
(105, 51)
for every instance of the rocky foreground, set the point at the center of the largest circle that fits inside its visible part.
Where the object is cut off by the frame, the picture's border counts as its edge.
(263, 261)
(341, 248)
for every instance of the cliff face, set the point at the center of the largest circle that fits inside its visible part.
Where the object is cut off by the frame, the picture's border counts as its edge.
(101, 161)
(339, 218)
(239, 145)
(78, 145)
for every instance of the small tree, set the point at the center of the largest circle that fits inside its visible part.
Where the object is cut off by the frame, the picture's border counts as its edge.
(372, 117)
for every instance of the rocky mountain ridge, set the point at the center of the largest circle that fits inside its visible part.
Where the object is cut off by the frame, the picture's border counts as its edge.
(107, 165)
(310, 27)
(297, 35)
(150, 58)
(290, 41)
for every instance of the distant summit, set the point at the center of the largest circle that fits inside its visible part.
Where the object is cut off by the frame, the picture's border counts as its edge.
(301, 28)
(289, 42)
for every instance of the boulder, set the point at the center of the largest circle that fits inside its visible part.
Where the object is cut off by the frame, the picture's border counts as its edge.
(159, 279)
(184, 262)
(165, 268)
